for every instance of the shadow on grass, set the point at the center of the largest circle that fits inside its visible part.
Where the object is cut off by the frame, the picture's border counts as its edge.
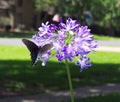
(114, 97)
(17, 77)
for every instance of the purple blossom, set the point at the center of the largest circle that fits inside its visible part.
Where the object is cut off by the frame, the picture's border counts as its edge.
(83, 62)
(46, 29)
(45, 58)
(70, 25)
(70, 41)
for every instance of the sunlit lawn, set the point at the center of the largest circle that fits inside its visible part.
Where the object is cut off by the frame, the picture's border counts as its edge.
(17, 75)
(103, 37)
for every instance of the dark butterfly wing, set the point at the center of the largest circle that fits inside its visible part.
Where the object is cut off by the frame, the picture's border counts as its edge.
(33, 48)
(45, 48)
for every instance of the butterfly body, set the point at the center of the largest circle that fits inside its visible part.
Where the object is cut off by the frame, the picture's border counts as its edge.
(36, 52)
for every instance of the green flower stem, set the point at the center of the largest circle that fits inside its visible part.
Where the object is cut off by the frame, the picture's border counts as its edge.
(70, 81)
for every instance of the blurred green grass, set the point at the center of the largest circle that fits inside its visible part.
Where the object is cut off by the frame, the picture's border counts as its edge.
(17, 35)
(30, 34)
(103, 37)
(17, 75)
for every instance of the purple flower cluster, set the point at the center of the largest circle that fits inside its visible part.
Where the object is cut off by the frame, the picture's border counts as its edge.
(70, 40)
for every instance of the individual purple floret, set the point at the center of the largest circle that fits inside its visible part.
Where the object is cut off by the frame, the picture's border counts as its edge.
(83, 62)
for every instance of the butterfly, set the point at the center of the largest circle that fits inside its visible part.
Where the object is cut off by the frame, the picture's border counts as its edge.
(35, 50)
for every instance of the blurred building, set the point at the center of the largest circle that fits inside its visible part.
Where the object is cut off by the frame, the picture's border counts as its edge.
(24, 15)
(4, 12)
(18, 13)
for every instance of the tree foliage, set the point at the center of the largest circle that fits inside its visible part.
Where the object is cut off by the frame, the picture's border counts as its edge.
(105, 13)
(44, 5)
